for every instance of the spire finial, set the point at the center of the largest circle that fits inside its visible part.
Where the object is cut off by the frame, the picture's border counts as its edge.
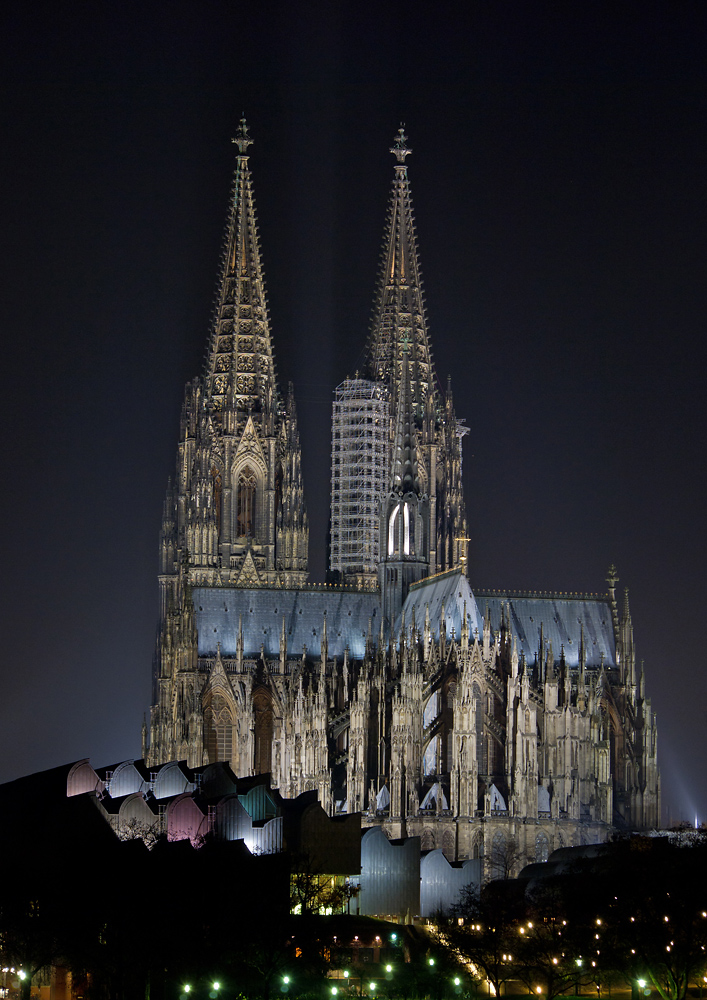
(242, 139)
(400, 148)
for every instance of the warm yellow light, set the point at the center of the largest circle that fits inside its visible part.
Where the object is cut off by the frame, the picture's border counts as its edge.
(538, 989)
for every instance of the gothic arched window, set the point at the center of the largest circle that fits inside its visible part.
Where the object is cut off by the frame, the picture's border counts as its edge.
(264, 726)
(216, 493)
(481, 755)
(392, 539)
(542, 847)
(218, 729)
(245, 503)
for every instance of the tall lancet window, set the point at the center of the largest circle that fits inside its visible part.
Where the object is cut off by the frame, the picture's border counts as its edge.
(391, 531)
(216, 493)
(218, 730)
(245, 502)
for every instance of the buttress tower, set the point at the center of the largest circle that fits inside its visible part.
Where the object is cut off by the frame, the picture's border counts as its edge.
(234, 515)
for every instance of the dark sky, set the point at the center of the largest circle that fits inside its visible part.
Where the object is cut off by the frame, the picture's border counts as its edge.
(559, 177)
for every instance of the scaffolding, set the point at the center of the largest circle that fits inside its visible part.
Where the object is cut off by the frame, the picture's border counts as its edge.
(360, 471)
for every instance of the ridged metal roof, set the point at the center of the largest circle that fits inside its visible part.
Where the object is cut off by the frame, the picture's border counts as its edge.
(451, 590)
(561, 618)
(219, 610)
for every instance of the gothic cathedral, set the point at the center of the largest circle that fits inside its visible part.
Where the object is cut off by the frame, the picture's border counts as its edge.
(470, 719)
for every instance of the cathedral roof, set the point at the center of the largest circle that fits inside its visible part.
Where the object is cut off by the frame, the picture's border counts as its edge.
(565, 620)
(219, 610)
(450, 591)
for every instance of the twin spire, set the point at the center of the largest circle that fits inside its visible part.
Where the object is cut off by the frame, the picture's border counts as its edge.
(240, 356)
(399, 312)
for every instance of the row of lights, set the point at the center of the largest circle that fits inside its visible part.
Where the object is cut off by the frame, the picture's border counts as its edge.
(215, 987)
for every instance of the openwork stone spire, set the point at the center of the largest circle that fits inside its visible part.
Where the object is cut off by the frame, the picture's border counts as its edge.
(399, 312)
(240, 356)
(404, 466)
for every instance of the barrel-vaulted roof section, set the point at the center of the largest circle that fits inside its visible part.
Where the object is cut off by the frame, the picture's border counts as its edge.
(449, 592)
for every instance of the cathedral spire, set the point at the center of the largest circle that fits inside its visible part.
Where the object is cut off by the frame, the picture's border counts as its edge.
(240, 355)
(399, 311)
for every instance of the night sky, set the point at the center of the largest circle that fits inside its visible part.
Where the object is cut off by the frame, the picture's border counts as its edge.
(558, 175)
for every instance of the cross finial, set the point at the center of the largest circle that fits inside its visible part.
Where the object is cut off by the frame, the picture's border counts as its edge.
(242, 139)
(400, 149)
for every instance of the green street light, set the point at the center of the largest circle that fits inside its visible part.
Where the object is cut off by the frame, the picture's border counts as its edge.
(346, 973)
(389, 968)
(334, 991)
(285, 980)
(372, 987)
(430, 961)
(217, 986)
(457, 981)
(641, 983)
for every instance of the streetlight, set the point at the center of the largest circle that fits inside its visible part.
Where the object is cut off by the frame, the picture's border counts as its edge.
(430, 961)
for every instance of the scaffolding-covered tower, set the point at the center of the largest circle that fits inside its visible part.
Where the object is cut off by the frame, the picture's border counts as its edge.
(360, 469)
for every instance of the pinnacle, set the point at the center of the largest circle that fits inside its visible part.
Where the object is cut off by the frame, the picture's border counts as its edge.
(400, 148)
(242, 139)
